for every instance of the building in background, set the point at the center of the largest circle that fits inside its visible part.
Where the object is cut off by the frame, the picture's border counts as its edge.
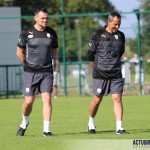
(10, 27)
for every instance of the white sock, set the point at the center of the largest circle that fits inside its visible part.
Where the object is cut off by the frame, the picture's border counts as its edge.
(118, 125)
(91, 123)
(46, 126)
(25, 121)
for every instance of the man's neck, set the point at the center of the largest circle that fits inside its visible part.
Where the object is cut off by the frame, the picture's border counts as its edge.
(39, 28)
(108, 30)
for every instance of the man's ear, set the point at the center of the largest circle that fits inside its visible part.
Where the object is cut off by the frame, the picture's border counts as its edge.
(109, 21)
(35, 18)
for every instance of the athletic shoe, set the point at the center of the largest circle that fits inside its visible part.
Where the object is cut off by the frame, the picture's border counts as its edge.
(91, 131)
(47, 134)
(122, 131)
(21, 131)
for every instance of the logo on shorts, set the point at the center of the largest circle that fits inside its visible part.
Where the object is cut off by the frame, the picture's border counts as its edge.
(99, 90)
(27, 90)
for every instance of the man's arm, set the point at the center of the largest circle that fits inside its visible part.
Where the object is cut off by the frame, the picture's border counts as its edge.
(93, 47)
(57, 65)
(54, 51)
(20, 54)
(91, 57)
(92, 63)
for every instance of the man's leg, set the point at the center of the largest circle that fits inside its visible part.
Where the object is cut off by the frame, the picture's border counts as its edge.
(94, 105)
(55, 84)
(55, 91)
(118, 106)
(47, 112)
(137, 76)
(27, 105)
(118, 111)
(26, 110)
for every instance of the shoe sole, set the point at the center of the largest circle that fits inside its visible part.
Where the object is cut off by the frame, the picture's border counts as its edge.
(122, 133)
(91, 133)
(48, 135)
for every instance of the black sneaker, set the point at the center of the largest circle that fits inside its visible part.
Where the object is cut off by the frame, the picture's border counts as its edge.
(122, 132)
(21, 131)
(47, 134)
(91, 131)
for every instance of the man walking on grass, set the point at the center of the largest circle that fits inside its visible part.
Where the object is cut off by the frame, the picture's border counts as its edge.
(105, 50)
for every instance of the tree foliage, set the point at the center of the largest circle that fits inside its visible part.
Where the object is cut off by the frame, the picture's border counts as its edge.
(145, 31)
(145, 34)
(145, 5)
(77, 29)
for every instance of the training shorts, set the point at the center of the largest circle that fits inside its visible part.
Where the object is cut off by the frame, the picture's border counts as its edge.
(37, 83)
(104, 87)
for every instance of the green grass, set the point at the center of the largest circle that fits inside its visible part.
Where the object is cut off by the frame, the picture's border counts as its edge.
(69, 122)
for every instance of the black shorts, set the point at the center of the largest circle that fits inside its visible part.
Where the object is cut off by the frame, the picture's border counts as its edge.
(37, 82)
(104, 87)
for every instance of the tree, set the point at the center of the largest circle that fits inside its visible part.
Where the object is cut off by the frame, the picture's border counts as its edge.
(145, 5)
(145, 34)
(77, 32)
(145, 31)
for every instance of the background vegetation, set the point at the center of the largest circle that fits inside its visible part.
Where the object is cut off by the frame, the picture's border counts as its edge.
(73, 24)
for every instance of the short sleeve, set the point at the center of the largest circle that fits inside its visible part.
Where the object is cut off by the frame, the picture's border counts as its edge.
(55, 40)
(22, 40)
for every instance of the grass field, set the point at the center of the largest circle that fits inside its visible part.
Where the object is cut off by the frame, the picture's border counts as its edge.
(69, 124)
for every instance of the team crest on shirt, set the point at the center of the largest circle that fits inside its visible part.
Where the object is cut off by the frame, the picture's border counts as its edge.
(116, 37)
(48, 35)
(99, 90)
(30, 34)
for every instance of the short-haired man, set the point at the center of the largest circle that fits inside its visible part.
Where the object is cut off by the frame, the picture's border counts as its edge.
(105, 50)
(36, 48)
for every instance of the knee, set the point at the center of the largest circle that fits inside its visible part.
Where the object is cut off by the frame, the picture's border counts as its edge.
(28, 104)
(96, 100)
(117, 99)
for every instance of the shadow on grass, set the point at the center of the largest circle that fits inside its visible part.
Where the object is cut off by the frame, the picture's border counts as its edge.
(131, 132)
(140, 130)
(79, 133)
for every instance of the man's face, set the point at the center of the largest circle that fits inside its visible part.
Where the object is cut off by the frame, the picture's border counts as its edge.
(114, 24)
(41, 19)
